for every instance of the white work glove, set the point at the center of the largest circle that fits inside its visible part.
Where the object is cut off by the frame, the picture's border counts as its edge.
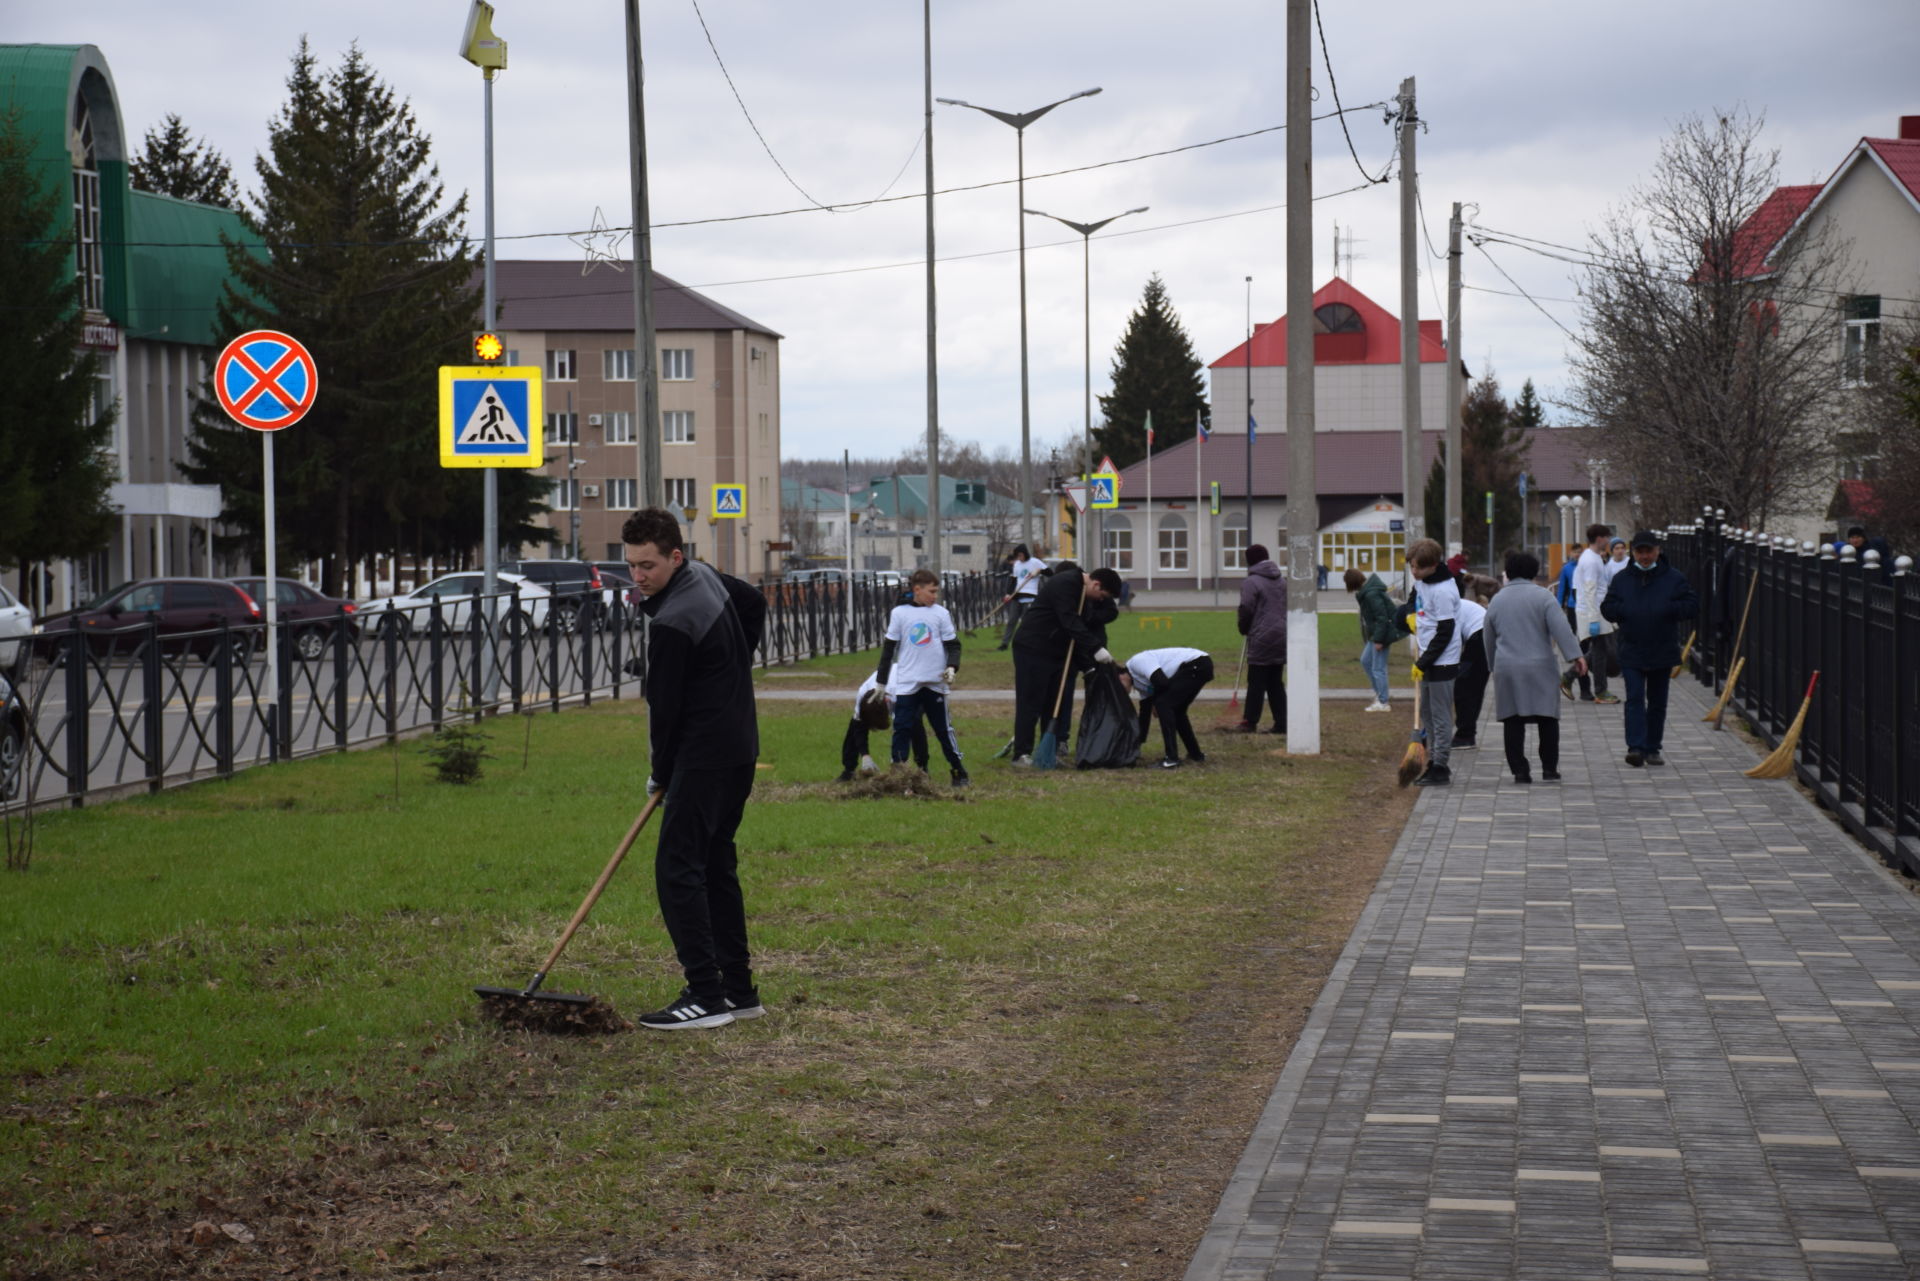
(652, 786)
(1101, 656)
(948, 675)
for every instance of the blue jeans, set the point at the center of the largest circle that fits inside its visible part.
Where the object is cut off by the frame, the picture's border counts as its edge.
(1374, 662)
(907, 710)
(1646, 706)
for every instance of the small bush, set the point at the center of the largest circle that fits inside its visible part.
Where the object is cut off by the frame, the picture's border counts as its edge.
(457, 751)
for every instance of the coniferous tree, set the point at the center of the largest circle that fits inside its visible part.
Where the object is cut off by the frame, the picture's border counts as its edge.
(173, 164)
(1493, 447)
(54, 473)
(1154, 370)
(361, 259)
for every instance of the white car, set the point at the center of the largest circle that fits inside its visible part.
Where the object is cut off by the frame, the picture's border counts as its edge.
(411, 613)
(16, 621)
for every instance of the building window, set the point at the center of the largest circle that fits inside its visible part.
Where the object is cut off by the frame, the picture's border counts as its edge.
(1233, 543)
(757, 357)
(676, 364)
(1172, 543)
(676, 426)
(560, 366)
(963, 549)
(563, 429)
(619, 428)
(679, 491)
(510, 357)
(565, 496)
(1116, 543)
(616, 365)
(623, 493)
(86, 237)
(1862, 340)
(763, 428)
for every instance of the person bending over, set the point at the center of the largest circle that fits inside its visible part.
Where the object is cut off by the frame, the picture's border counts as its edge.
(1167, 681)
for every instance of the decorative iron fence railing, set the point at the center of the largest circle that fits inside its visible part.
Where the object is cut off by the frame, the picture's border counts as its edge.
(1850, 618)
(106, 714)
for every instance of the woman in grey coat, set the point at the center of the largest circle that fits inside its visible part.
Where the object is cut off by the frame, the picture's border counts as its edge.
(1524, 626)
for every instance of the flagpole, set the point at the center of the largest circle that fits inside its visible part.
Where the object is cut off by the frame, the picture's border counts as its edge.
(1153, 545)
(1199, 528)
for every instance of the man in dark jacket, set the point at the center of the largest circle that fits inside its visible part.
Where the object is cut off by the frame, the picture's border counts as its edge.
(1061, 630)
(1263, 621)
(1647, 602)
(704, 738)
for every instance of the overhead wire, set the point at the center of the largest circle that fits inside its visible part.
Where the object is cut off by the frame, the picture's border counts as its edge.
(1334, 85)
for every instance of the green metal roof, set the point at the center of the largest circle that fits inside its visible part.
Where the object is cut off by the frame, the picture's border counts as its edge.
(906, 496)
(177, 267)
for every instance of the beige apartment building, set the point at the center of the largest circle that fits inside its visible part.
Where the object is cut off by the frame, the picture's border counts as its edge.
(719, 408)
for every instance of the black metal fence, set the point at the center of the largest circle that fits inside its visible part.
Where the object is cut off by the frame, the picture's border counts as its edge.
(1855, 621)
(136, 710)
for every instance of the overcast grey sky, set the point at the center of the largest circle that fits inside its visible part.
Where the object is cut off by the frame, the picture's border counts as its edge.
(1542, 114)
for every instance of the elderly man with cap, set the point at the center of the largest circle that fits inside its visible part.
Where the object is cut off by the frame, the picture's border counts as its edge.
(1647, 602)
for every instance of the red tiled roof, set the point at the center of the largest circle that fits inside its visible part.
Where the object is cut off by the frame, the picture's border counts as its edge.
(1901, 156)
(1379, 344)
(1755, 238)
(551, 294)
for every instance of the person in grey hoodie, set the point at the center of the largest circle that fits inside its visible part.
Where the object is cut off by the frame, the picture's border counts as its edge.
(1263, 621)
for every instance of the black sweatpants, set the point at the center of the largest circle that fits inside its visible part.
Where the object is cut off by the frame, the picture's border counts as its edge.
(696, 874)
(1515, 728)
(855, 745)
(1266, 681)
(1036, 682)
(1470, 689)
(1171, 701)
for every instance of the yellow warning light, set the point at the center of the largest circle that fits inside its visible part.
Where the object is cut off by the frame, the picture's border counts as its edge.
(487, 348)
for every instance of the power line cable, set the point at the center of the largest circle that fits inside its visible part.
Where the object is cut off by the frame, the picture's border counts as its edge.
(1334, 85)
(1523, 293)
(741, 102)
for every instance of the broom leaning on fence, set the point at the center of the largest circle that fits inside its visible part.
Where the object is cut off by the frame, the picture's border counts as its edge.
(1779, 762)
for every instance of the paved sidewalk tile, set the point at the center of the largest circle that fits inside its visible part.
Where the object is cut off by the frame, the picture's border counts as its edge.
(1643, 1023)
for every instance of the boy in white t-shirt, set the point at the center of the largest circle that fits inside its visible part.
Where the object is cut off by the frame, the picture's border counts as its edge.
(1167, 681)
(918, 658)
(1026, 572)
(872, 710)
(1437, 642)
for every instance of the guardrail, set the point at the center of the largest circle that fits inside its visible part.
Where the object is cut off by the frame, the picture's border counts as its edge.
(1852, 619)
(137, 710)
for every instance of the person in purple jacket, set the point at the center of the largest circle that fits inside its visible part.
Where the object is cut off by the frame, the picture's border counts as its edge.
(1263, 621)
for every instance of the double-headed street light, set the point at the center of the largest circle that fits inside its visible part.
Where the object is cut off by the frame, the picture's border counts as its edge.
(1020, 120)
(1086, 230)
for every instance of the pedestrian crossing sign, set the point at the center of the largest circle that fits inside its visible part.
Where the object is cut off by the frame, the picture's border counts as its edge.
(490, 416)
(729, 502)
(1104, 491)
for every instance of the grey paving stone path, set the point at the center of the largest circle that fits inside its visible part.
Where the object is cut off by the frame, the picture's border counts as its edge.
(1640, 1024)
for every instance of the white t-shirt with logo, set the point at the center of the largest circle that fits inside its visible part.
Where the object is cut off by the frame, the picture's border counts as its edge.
(1438, 602)
(919, 633)
(1473, 616)
(867, 687)
(1026, 577)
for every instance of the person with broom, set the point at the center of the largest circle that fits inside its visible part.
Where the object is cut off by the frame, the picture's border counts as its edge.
(1064, 632)
(1646, 605)
(704, 736)
(1438, 643)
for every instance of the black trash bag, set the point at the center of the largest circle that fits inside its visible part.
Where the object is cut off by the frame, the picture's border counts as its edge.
(1109, 727)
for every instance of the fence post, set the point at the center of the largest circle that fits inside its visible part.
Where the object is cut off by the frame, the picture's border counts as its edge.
(340, 668)
(150, 714)
(1902, 663)
(223, 707)
(436, 676)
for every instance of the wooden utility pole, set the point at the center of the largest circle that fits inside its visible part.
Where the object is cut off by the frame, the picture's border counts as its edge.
(1303, 501)
(1412, 482)
(1456, 391)
(933, 347)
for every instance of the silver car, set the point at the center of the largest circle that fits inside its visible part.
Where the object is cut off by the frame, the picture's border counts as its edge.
(16, 621)
(411, 612)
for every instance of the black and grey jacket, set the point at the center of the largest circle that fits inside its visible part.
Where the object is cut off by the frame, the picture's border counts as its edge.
(704, 628)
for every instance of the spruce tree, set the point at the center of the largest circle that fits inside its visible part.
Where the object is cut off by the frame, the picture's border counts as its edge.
(171, 163)
(1154, 371)
(55, 475)
(1494, 453)
(362, 259)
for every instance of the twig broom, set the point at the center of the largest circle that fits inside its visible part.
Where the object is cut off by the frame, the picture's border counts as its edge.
(1726, 694)
(1719, 708)
(1233, 715)
(1415, 760)
(1779, 762)
(1685, 649)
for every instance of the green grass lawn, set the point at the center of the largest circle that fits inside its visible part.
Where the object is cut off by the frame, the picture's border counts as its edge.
(986, 667)
(995, 1036)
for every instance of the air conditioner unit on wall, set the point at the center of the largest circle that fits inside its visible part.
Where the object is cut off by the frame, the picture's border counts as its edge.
(590, 491)
(593, 420)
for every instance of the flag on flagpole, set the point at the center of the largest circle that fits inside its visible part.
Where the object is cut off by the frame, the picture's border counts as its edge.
(1200, 428)
(1253, 427)
(1149, 430)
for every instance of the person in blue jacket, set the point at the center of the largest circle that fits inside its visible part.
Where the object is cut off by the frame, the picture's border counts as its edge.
(1647, 603)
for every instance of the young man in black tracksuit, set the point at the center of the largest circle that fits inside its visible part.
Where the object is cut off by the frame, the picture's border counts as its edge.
(704, 736)
(1062, 628)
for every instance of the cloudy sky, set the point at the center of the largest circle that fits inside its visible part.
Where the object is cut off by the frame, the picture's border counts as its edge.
(1542, 115)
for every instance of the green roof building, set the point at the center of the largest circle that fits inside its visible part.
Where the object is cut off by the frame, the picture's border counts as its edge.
(151, 270)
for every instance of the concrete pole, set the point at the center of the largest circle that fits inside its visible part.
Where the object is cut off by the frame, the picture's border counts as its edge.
(1303, 502)
(1412, 480)
(933, 351)
(1456, 393)
(652, 487)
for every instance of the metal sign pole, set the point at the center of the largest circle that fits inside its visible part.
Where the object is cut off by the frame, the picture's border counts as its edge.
(273, 591)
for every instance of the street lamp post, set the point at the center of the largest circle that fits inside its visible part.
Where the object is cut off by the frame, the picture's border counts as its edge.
(1019, 120)
(1086, 230)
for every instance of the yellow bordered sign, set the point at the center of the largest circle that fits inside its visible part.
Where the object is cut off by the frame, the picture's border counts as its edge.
(491, 416)
(729, 502)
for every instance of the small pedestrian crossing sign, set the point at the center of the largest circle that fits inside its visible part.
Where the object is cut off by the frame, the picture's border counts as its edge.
(1105, 491)
(490, 416)
(729, 502)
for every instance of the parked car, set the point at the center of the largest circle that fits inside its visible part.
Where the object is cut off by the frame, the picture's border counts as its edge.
(578, 590)
(13, 741)
(16, 620)
(308, 616)
(182, 611)
(410, 613)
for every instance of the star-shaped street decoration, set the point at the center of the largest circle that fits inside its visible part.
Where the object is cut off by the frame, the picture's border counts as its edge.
(601, 243)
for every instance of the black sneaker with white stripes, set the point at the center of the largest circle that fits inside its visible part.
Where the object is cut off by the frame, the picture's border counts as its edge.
(746, 1005)
(687, 1012)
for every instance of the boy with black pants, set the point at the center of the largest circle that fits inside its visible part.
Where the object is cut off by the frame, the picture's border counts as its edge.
(918, 659)
(704, 738)
(873, 710)
(1167, 681)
